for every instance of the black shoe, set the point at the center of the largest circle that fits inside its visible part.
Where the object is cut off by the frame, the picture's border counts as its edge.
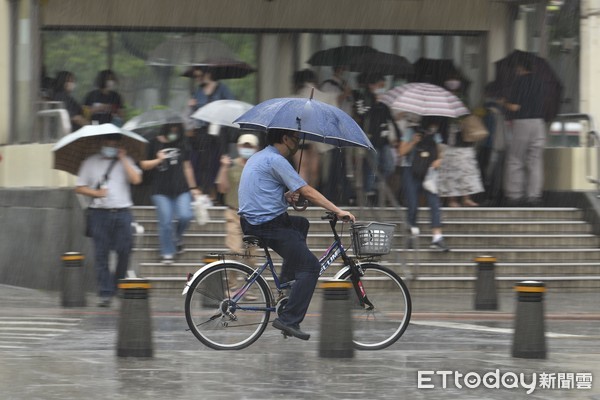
(439, 246)
(180, 249)
(290, 330)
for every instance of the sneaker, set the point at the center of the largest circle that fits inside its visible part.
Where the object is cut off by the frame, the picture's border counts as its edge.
(168, 259)
(180, 249)
(439, 246)
(104, 302)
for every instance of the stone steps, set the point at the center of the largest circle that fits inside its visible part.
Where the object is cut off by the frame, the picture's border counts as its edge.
(555, 244)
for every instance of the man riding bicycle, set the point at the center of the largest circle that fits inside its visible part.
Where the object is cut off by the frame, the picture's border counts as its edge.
(268, 185)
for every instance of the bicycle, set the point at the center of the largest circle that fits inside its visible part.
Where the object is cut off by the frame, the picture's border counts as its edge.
(228, 303)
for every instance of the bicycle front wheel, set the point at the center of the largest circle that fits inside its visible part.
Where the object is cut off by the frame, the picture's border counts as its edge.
(381, 323)
(217, 318)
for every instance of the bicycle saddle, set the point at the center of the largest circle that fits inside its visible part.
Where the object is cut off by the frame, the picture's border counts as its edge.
(253, 241)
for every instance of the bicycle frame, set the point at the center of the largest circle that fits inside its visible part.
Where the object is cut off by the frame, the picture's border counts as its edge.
(335, 251)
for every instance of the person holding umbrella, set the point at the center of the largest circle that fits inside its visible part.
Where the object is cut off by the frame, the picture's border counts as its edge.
(106, 177)
(525, 153)
(174, 184)
(268, 185)
(206, 147)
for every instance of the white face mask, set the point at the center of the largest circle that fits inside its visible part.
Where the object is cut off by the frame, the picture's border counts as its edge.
(109, 152)
(171, 137)
(245, 152)
(380, 91)
(452, 84)
(110, 84)
(70, 86)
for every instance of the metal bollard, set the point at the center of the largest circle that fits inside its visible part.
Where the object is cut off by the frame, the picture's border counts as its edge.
(135, 325)
(73, 284)
(529, 339)
(486, 297)
(336, 321)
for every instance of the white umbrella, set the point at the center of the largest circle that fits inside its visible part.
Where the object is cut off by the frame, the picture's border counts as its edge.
(71, 150)
(424, 99)
(222, 112)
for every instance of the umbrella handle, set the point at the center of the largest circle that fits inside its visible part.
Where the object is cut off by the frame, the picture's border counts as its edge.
(301, 204)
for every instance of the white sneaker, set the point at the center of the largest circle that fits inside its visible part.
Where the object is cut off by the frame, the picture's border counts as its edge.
(168, 259)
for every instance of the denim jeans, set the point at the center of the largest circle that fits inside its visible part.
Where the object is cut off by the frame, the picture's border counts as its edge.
(286, 235)
(169, 208)
(111, 230)
(413, 188)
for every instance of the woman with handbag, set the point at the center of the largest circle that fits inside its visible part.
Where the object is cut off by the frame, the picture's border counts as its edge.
(419, 152)
(459, 174)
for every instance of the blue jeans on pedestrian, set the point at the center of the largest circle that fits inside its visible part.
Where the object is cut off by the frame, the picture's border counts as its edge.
(169, 208)
(413, 188)
(286, 235)
(111, 230)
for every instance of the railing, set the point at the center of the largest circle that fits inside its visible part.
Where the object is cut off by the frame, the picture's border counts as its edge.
(52, 121)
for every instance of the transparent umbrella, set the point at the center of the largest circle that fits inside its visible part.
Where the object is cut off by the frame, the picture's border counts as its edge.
(149, 123)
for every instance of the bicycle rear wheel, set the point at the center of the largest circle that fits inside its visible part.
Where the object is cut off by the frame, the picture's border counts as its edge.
(216, 319)
(378, 327)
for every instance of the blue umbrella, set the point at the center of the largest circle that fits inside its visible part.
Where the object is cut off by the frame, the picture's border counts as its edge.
(317, 121)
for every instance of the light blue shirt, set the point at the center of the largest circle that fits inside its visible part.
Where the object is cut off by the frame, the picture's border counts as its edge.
(266, 177)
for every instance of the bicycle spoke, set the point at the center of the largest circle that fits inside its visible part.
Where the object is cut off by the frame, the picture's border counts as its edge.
(218, 320)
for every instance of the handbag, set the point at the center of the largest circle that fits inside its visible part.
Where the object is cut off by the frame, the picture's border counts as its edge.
(473, 129)
(424, 154)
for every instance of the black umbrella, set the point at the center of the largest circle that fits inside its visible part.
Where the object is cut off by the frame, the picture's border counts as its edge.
(222, 68)
(382, 63)
(553, 88)
(437, 71)
(341, 55)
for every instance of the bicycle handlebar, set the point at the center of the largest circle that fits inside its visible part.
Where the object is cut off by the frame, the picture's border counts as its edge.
(331, 216)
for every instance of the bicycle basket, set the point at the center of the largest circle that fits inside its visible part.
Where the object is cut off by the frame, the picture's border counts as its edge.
(372, 238)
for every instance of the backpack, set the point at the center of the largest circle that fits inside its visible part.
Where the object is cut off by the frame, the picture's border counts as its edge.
(424, 154)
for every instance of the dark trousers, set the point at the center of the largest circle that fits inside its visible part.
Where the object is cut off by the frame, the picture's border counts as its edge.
(111, 230)
(286, 235)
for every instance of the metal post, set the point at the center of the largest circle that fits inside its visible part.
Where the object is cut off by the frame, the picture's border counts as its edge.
(486, 297)
(135, 325)
(336, 321)
(73, 285)
(529, 339)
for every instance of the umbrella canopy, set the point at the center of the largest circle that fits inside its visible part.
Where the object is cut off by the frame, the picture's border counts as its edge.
(341, 55)
(149, 123)
(437, 71)
(553, 88)
(189, 50)
(424, 99)
(71, 150)
(318, 121)
(381, 63)
(222, 112)
(222, 68)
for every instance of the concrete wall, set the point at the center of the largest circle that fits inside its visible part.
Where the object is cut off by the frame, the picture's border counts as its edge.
(37, 226)
(276, 15)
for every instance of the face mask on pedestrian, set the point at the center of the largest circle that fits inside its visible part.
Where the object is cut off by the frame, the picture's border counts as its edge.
(246, 152)
(70, 86)
(172, 136)
(109, 151)
(111, 84)
(379, 91)
(293, 150)
(452, 84)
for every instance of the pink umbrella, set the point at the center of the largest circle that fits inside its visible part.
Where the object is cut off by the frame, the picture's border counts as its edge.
(424, 99)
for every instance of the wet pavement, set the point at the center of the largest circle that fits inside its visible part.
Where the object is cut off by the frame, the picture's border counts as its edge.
(51, 352)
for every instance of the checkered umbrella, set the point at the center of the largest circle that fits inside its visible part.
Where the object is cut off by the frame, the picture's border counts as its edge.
(71, 150)
(424, 99)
